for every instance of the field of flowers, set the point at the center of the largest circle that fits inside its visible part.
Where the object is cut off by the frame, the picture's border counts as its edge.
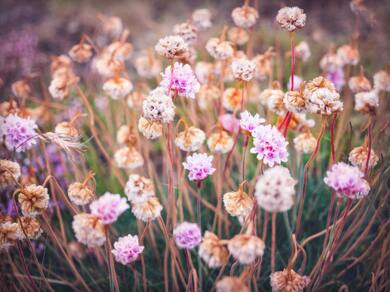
(225, 157)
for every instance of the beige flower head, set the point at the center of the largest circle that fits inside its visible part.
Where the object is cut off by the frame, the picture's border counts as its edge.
(21, 89)
(147, 65)
(264, 64)
(9, 173)
(33, 200)
(207, 94)
(238, 36)
(231, 99)
(243, 69)
(366, 102)
(245, 16)
(238, 203)
(382, 80)
(201, 18)
(172, 46)
(305, 143)
(89, 230)
(231, 284)
(117, 87)
(30, 227)
(288, 280)
(276, 101)
(150, 129)
(8, 233)
(296, 101)
(219, 49)
(120, 51)
(139, 189)
(187, 31)
(191, 139)
(246, 248)
(291, 18)
(148, 210)
(358, 157)
(67, 129)
(212, 251)
(128, 158)
(220, 142)
(81, 52)
(359, 83)
(348, 54)
(80, 193)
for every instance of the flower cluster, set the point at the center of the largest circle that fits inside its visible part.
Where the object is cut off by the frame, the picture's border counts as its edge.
(127, 249)
(109, 207)
(187, 235)
(199, 166)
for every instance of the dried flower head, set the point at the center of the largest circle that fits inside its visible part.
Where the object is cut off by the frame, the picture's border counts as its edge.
(276, 101)
(80, 193)
(150, 129)
(58, 87)
(127, 249)
(358, 157)
(220, 142)
(291, 18)
(191, 139)
(158, 106)
(81, 53)
(296, 101)
(147, 66)
(139, 189)
(359, 84)
(245, 16)
(123, 134)
(366, 102)
(8, 234)
(249, 123)
(119, 51)
(107, 66)
(231, 284)
(21, 89)
(33, 200)
(288, 280)
(172, 46)
(147, 211)
(199, 166)
(305, 143)
(109, 207)
(347, 181)
(219, 49)
(243, 69)
(238, 36)
(238, 203)
(382, 80)
(89, 230)
(117, 88)
(212, 251)
(231, 99)
(187, 235)
(128, 158)
(187, 31)
(29, 227)
(348, 54)
(201, 19)
(274, 190)
(246, 248)
(9, 173)
(67, 129)
(264, 64)
(302, 51)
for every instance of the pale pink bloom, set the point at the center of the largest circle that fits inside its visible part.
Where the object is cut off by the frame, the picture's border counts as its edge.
(297, 82)
(127, 249)
(109, 207)
(269, 145)
(230, 123)
(347, 181)
(199, 166)
(187, 235)
(248, 122)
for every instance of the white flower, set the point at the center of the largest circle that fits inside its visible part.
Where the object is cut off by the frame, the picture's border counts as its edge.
(139, 189)
(366, 101)
(243, 69)
(117, 88)
(190, 139)
(218, 49)
(158, 106)
(172, 46)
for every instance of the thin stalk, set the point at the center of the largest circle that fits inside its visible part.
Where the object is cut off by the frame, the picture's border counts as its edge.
(273, 244)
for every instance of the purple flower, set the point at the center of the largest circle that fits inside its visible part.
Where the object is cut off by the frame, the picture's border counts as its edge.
(347, 181)
(269, 145)
(126, 249)
(230, 123)
(187, 235)
(182, 80)
(199, 166)
(248, 122)
(109, 207)
(337, 77)
(19, 134)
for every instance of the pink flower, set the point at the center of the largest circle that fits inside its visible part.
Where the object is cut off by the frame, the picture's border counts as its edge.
(109, 207)
(347, 181)
(19, 134)
(270, 145)
(230, 123)
(126, 249)
(248, 122)
(187, 235)
(199, 166)
(183, 80)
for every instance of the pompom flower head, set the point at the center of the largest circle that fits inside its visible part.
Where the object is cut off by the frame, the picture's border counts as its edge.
(191, 139)
(187, 235)
(246, 248)
(127, 249)
(148, 210)
(181, 80)
(269, 145)
(88, 229)
(291, 18)
(212, 251)
(358, 157)
(33, 200)
(245, 16)
(347, 181)
(9, 173)
(172, 46)
(139, 189)
(243, 69)
(158, 106)
(199, 166)
(288, 280)
(249, 123)
(109, 207)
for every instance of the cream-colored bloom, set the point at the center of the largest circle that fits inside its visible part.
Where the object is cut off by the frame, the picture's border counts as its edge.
(172, 46)
(264, 64)
(220, 142)
(302, 51)
(291, 18)
(8, 234)
(21, 89)
(66, 128)
(81, 53)
(219, 49)
(148, 210)
(58, 87)
(128, 158)
(9, 173)
(238, 35)
(366, 102)
(330, 62)
(30, 227)
(382, 80)
(358, 157)
(359, 84)
(33, 200)
(139, 189)
(89, 230)
(243, 69)
(305, 143)
(147, 66)
(246, 248)
(231, 284)
(276, 102)
(191, 139)
(288, 280)
(187, 31)
(117, 88)
(348, 54)
(245, 16)
(123, 134)
(238, 203)
(158, 106)
(212, 251)
(120, 51)
(296, 101)
(150, 129)
(206, 95)
(80, 193)
(231, 99)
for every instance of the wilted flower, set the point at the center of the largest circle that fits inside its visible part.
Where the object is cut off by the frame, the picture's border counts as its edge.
(382, 80)
(359, 83)
(243, 69)
(249, 123)
(245, 16)
(264, 64)
(119, 51)
(199, 166)
(238, 36)
(275, 189)
(187, 235)
(67, 128)
(127, 249)
(347, 181)
(21, 89)
(8, 234)
(246, 248)
(117, 87)
(187, 31)
(276, 101)
(220, 142)
(219, 49)
(302, 51)
(238, 203)
(81, 53)
(305, 142)
(296, 101)
(123, 134)
(291, 18)
(201, 18)
(366, 102)
(269, 145)
(158, 106)
(231, 99)
(203, 72)
(265, 95)
(191, 139)
(106, 65)
(33, 200)
(108, 207)
(147, 66)
(212, 251)
(89, 230)
(9, 173)
(348, 54)
(19, 134)
(172, 46)
(139, 189)
(147, 211)
(150, 129)
(358, 157)
(30, 227)
(231, 284)
(229, 123)
(288, 280)
(128, 157)
(80, 193)
(181, 80)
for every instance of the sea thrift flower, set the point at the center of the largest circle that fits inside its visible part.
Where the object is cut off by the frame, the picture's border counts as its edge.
(347, 181)
(9, 173)
(67, 129)
(288, 280)
(297, 82)
(231, 99)
(89, 230)
(128, 158)
(348, 54)
(201, 18)
(212, 251)
(8, 234)
(139, 189)
(187, 31)
(123, 134)
(336, 77)
(80, 193)
(172, 46)
(264, 64)
(147, 66)
(117, 88)
(120, 51)
(127, 249)
(382, 80)
(187, 235)
(246, 248)
(243, 69)
(266, 94)
(238, 203)
(331, 62)
(203, 71)
(207, 94)
(199, 166)
(359, 84)
(269, 145)
(158, 106)
(238, 36)
(249, 123)
(150, 129)
(274, 190)
(191, 139)
(276, 102)
(58, 87)
(19, 134)
(29, 227)
(148, 210)
(291, 18)
(302, 51)
(81, 53)
(231, 284)
(106, 65)
(245, 16)
(108, 207)
(33, 200)
(220, 142)
(296, 101)
(229, 123)
(305, 143)
(358, 157)
(366, 102)
(182, 80)
(219, 49)
(21, 89)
